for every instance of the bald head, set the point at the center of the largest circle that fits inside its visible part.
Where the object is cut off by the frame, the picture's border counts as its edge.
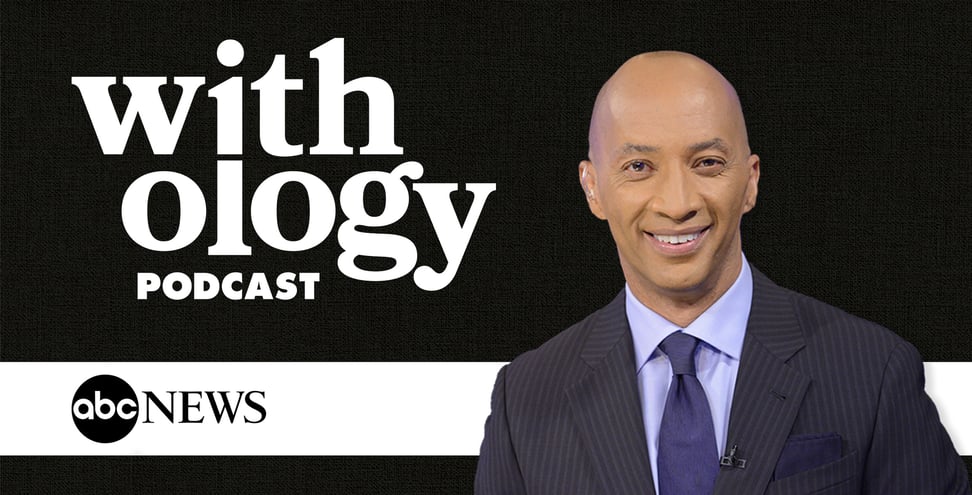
(671, 172)
(655, 86)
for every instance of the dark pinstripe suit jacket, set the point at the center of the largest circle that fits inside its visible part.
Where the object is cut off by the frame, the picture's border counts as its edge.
(566, 417)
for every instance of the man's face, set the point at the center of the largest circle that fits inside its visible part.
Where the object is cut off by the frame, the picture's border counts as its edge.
(672, 175)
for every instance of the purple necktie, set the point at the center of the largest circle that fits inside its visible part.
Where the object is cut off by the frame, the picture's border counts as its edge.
(688, 461)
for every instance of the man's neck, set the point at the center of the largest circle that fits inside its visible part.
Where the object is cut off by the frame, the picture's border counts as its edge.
(683, 307)
(681, 313)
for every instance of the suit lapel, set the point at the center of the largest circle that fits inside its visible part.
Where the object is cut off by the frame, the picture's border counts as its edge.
(768, 392)
(606, 406)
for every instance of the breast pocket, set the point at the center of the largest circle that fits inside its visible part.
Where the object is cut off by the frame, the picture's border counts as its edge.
(836, 478)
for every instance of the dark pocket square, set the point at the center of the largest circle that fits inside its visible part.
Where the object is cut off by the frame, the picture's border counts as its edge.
(804, 452)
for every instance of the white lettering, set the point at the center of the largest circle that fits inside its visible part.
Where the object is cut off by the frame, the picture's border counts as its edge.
(146, 103)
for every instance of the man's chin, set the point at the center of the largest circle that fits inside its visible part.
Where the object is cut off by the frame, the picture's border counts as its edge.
(683, 279)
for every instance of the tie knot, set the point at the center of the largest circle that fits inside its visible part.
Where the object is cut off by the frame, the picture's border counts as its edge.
(680, 349)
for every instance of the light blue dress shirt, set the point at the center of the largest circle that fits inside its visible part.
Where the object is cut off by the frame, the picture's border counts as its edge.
(720, 328)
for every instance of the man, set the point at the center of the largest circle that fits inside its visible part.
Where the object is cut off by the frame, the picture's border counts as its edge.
(703, 376)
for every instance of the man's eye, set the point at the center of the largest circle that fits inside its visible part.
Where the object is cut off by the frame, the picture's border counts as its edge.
(637, 166)
(710, 165)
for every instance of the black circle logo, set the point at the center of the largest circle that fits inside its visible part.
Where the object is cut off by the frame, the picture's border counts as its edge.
(105, 408)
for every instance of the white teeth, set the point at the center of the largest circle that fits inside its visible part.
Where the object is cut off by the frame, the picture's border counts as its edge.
(677, 239)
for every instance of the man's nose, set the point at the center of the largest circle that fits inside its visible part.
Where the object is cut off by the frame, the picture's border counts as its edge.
(676, 196)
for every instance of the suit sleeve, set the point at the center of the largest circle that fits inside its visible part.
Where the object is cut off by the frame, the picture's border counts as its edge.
(910, 451)
(498, 471)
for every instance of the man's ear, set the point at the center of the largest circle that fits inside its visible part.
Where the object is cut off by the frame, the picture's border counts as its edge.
(752, 186)
(587, 173)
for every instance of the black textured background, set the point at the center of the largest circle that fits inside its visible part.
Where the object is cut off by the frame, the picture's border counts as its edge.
(861, 115)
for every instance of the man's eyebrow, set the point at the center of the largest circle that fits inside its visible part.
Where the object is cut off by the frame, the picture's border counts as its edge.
(630, 148)
(714, 143)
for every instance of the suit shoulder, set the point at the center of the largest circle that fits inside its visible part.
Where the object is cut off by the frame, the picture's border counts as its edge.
(555, 361)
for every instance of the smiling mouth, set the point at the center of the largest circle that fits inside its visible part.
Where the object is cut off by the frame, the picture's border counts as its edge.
(675, 240)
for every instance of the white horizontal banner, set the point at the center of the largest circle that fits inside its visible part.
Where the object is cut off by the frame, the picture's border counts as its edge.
(271, 408)
(368, 408)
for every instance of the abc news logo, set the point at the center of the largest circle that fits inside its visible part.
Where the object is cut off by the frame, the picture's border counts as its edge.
(105, 408)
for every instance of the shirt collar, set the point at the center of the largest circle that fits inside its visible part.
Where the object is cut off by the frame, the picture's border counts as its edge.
(722, 326)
